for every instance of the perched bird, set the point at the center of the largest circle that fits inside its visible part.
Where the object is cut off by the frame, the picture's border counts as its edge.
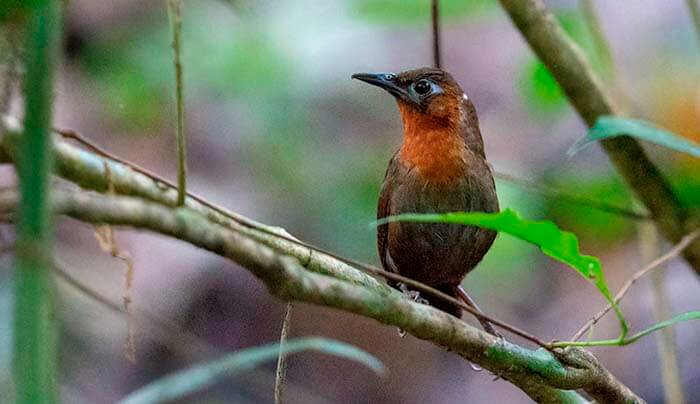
(440, 167)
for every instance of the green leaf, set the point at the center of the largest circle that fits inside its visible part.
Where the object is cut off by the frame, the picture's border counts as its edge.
(198, 377)
(552, 241)
(607, 127)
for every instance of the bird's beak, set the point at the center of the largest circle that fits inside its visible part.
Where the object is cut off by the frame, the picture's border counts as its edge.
(386, 81)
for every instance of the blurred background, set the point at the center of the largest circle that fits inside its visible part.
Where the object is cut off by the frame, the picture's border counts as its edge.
(277, 131)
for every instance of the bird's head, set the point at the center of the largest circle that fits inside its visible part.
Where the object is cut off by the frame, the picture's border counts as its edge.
(439, 121)
(422, 93)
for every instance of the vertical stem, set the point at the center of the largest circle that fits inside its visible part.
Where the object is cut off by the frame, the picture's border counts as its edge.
(35, 324)
(281, 374)
(670, 371)
(435, 14)
(695, 15)
(175, 13)
(602, 48)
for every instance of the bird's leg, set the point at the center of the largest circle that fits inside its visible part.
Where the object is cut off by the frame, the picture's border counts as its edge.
(412, 294)
(485, 324)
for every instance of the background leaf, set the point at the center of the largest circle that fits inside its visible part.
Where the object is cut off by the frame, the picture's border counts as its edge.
(607, 127)
(554, 242)
(187, 381)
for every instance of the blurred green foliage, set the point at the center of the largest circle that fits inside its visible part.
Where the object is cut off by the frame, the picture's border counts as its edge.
(17, 11)
(600, 228)
(417, 11)
(134, 75)
(541, 94)
(686, 183)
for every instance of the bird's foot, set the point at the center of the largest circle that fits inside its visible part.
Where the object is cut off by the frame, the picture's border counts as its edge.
(412, 294)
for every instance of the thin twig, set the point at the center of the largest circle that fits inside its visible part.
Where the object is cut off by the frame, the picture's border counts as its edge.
(672, 253)
(649, 243)
(695, 15)
(281, 373)
(175, 13)
(108, 242)
(602, 48)
(565, 196)
(435, 18)
(358, 265)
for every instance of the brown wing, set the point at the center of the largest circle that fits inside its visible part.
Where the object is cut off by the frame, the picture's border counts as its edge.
(384, 210)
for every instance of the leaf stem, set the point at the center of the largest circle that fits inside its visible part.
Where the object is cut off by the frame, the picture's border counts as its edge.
(672, 253)
(35, 324)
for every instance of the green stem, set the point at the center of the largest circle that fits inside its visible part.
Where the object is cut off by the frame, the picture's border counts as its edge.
(175, 13)
(35, 325)
(602, 48)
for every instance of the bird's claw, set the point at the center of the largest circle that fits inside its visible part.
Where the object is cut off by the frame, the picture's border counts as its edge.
(412, 294)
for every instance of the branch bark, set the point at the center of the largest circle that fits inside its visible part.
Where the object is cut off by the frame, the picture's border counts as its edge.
(294, 272)
(538, 373)
(568, 65)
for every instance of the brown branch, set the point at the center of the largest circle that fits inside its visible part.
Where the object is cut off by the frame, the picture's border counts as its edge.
(127, 178)
(672, 253)
(539, 373)
(566, 62)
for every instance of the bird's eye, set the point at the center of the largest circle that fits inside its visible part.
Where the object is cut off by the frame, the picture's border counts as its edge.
(390, 76)
(422, 87)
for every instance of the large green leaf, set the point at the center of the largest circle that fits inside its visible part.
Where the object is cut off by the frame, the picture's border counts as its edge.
(607, 127)
(184, 382)
(554, 242)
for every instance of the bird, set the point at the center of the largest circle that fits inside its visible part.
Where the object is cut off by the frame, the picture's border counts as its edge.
(440, 167)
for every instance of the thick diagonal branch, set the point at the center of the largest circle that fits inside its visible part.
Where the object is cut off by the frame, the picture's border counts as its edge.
(568, 65)
(538, 373)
